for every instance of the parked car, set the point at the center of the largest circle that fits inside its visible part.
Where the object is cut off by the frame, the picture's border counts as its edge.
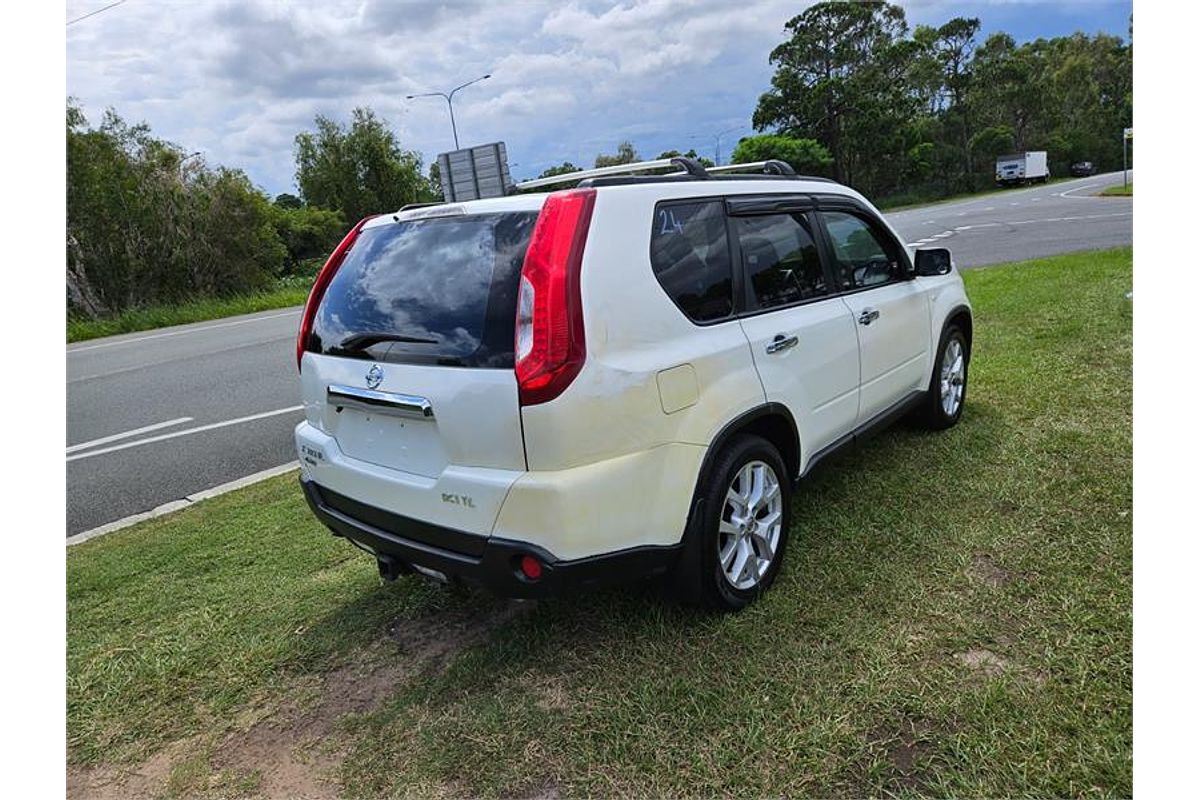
(1082, 169)
(544, 392)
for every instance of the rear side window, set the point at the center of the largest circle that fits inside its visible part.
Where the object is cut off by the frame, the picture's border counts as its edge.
(689, 252)
(863, 258)
(780, 258)
(434, 291)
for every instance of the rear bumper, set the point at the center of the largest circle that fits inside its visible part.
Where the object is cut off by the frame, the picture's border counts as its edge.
(401, 542)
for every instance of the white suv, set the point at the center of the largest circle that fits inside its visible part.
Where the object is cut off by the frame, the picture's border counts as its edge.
(623, 379)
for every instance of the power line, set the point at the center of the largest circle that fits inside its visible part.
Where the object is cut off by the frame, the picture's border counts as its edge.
(94, 13)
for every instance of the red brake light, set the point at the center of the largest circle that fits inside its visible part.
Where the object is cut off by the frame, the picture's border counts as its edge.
(321, 284)
(549, 342)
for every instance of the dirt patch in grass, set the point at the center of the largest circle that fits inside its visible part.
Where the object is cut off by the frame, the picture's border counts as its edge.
(906, 748)
(988, 664)
(433, 641)
(293, 751)
(147, 780)
(985, 570)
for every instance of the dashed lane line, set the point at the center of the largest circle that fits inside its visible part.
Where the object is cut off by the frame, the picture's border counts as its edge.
(116, 437)
(187, 432)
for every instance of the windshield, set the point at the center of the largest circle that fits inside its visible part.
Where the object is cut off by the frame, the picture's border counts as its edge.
(438, 290)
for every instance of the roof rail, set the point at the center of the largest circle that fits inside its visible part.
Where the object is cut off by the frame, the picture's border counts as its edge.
(692, 170)
(600, 172)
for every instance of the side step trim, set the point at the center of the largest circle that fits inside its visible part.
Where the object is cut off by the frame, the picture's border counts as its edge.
(867, 429)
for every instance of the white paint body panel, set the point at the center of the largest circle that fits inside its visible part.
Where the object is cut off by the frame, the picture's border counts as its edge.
(818, 378)
(894, 350)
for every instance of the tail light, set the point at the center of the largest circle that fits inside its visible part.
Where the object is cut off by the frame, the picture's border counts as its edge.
(321, 284)
(549, 343)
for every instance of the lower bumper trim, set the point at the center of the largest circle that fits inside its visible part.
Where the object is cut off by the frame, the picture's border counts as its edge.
(493, 565)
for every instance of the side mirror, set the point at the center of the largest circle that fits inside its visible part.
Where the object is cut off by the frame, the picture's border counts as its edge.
(934, 261)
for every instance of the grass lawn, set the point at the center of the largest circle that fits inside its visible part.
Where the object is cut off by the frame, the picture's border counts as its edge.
(953, 619)
(1118, 191)
(148, 317)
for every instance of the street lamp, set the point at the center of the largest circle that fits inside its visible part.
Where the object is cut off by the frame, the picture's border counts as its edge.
(450, 102)
(185, 159)
(717, 139)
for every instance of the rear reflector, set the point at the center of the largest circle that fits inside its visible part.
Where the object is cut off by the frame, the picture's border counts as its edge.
(549, 343)
(531, 568)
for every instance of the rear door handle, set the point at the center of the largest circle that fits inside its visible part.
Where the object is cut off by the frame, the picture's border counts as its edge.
(868, 316)
(781, 342)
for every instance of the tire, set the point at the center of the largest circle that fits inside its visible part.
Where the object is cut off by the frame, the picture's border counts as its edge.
(759, 545)
(944, 400)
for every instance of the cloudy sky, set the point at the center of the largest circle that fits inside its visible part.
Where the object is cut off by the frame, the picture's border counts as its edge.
(238, 80)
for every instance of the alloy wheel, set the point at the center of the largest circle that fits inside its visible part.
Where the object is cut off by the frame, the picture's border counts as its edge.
(751, 525)
(953, 377)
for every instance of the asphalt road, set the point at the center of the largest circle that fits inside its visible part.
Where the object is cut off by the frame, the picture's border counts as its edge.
(156, 416)
(1017, 224)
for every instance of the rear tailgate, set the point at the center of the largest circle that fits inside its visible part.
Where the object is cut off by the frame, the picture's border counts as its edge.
(473, 418)
(407, 376)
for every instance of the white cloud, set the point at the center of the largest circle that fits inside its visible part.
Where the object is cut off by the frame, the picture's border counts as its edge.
(238, 80)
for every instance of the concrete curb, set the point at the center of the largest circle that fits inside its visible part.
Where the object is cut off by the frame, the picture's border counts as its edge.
(176, 505)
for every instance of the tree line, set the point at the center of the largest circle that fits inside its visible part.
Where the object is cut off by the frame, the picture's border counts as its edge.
(148, 223)
(926, 111)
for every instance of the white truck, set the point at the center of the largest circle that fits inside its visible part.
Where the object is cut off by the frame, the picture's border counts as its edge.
(1022, 168)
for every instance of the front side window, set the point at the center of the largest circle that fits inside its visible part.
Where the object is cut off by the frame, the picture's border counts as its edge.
(689, 252)
(862, 257)
(780, 259)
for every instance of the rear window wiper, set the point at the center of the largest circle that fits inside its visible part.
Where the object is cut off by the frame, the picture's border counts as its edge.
(361, 341)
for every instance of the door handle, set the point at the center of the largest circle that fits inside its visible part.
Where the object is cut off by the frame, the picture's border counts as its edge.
(868, 316)
(781, 342)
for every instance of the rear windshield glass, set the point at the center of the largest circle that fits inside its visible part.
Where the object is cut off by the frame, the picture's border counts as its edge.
(433, 291)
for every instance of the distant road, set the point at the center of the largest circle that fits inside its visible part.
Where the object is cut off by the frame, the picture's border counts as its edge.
(156, 416)
(1023, 223)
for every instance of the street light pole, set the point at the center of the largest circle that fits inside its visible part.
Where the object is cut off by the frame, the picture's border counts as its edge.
(717, 141)
(186, 159)
(449, 98)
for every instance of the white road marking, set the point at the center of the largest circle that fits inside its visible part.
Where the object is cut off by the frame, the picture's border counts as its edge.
(188, 432)
(990, 208)
(1014, 204)
(71, 350)
(135, 432)
(1066, 219)
(176, 505)
(1071, 192)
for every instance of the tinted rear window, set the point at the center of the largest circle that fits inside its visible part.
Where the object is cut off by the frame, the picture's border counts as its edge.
(434, 291)
(689, 252)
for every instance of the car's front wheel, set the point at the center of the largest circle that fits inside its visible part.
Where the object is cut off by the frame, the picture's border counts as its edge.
(943, 403)
(744, 530)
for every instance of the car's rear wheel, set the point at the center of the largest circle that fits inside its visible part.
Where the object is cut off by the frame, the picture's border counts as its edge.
(943, 404)
(744, 529)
